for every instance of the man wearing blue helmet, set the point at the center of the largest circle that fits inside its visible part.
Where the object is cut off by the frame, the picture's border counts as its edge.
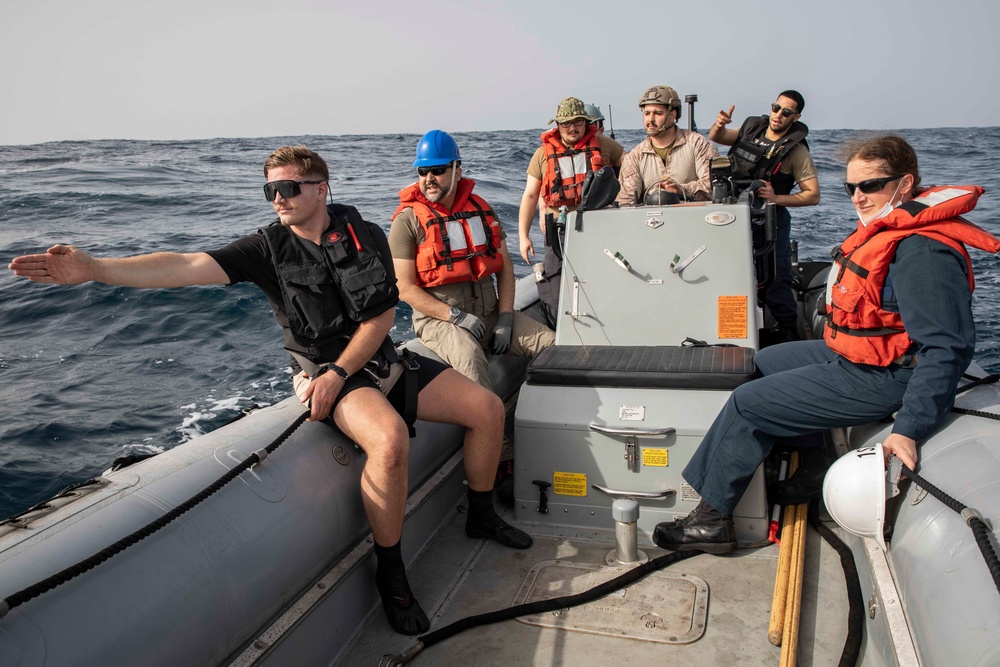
(447, 245)
(305, 263)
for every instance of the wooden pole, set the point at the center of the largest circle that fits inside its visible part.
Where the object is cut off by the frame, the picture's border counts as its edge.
(777, 621)
(793, 605)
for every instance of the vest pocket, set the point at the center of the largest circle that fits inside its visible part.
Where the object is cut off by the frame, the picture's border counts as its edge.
(361, 282)
(845, 298)
(313, 302)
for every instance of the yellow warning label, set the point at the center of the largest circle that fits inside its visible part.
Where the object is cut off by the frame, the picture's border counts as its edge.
(655, 457)
(569, 484)
(732, 317)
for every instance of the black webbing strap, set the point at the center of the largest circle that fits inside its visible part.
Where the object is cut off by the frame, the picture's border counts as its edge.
(410, 389)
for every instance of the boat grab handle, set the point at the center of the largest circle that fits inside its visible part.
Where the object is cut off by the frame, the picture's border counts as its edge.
(633, 432)
(615, 493)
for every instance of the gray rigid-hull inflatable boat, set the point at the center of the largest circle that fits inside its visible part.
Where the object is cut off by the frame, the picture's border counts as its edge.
(275, 568)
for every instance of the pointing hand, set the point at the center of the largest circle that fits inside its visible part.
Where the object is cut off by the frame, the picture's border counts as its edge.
(725, 117)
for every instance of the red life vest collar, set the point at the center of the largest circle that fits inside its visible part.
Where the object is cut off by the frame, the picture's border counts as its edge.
(931, 204)
(567, 167)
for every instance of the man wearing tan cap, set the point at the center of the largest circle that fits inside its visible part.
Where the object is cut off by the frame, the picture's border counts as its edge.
(556, 173)
(674, 159)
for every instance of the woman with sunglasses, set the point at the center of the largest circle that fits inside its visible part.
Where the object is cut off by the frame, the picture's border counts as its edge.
(899, 335)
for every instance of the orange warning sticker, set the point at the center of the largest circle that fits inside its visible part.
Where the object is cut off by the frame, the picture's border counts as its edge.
(732, 317)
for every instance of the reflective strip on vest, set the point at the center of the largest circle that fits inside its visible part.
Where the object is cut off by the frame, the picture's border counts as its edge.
(831, 280)
(571, 165)
(456, 234)
(935, 197)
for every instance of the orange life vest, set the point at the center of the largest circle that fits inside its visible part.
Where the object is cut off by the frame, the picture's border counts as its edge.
(565, 168)
(857, 327)
(461, 244)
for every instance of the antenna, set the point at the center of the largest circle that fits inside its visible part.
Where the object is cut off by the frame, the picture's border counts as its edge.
(690, 100)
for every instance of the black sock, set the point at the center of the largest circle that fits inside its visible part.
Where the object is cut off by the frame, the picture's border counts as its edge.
(390, 574)
(480, 504)
(401, 608)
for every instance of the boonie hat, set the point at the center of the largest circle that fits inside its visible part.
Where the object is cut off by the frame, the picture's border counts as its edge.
(570, 109)
(664, 95)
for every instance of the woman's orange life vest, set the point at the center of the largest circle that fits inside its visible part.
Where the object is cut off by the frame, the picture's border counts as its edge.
(857, 327)
(461, 244)
(565, 168)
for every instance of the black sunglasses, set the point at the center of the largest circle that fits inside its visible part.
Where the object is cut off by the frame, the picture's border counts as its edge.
(437, 171)
(286, 189)
(871, 186)
(775, 108)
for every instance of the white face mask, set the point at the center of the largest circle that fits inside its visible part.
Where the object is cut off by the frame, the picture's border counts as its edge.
(886, 208)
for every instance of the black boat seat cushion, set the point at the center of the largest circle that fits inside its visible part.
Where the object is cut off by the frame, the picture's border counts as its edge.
(659, 367)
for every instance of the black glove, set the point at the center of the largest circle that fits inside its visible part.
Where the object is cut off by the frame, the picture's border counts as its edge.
(500, 342)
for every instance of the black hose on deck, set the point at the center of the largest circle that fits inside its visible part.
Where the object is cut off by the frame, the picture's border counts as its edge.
(553, 604)
(83, 566)
(855, 599)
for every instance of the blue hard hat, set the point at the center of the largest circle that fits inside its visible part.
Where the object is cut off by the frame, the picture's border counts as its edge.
(436, 148)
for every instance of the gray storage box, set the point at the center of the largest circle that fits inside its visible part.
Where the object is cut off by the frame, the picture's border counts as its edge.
(596, 415)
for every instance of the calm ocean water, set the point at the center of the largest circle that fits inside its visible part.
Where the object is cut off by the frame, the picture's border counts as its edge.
(94, 372)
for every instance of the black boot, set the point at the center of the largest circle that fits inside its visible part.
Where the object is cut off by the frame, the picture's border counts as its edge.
(704, 528)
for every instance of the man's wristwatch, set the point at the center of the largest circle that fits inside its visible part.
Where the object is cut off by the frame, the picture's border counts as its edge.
(454, 314)
(339, 371)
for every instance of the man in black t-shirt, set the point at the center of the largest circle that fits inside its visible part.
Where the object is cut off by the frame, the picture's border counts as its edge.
(328, 276)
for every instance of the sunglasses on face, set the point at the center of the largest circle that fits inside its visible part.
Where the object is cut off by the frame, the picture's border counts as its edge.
(437, 171)
(871, 186)
(579, 122)
(286, 189)
(775, 108)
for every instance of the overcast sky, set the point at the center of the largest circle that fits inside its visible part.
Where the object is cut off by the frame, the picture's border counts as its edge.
(189, 69)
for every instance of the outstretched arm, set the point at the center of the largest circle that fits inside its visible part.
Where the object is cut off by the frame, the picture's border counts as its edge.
(68, 265)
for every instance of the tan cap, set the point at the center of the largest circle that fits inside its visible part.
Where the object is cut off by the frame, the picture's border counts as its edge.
(664, 95)
(570, 109)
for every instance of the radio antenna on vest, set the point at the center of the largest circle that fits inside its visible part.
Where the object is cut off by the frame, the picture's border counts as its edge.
(611, 123)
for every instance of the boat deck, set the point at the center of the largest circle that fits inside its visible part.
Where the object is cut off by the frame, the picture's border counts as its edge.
(455, 577)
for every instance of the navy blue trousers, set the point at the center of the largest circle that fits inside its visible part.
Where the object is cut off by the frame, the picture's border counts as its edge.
(805, 387)
(779, 297)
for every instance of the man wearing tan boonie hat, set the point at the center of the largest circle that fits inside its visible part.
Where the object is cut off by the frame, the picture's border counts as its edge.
(555, 173)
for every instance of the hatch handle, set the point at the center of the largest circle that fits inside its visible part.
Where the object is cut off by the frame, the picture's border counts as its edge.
(649, 495)
(633, 432)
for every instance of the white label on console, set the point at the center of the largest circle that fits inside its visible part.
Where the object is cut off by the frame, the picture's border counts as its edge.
(632, 413)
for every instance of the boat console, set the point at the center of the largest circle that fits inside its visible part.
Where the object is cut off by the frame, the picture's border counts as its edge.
(657, 324)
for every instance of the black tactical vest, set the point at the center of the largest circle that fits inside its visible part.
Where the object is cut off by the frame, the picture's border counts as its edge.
(329, 289)
(755, 160)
